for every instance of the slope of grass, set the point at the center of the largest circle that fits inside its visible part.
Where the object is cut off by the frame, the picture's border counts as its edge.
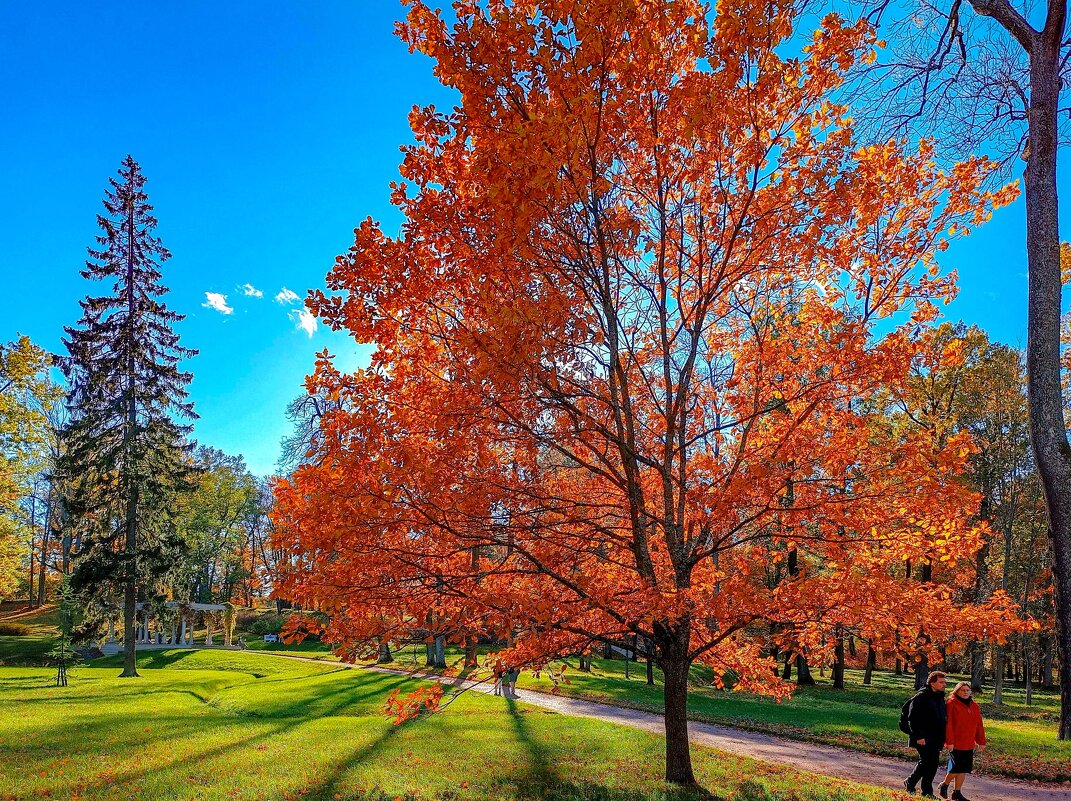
(30, 649)
(212, 725)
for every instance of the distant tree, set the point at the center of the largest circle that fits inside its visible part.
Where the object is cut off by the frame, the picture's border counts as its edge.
(27, 397)
(125, 456)
(213, 522)
(306, 442)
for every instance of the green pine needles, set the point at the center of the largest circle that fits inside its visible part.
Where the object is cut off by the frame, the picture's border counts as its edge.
(125, 453)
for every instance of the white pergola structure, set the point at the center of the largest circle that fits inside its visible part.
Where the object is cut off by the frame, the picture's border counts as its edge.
(152, 634)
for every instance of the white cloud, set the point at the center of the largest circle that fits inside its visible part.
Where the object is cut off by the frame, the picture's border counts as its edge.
(217, 301)
(251, 291)
(305, 320)
(286, 297)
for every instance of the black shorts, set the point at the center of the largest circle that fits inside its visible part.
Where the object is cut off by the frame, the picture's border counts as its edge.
(961, 761)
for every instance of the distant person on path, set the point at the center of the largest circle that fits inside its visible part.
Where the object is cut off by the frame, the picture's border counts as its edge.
(965, 732)
(499, 672)
(926, 719)
(511, 682)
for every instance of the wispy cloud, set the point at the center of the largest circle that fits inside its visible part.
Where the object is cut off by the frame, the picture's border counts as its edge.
(286, 297)
(251, 291)
(304, 320)
(217, 301)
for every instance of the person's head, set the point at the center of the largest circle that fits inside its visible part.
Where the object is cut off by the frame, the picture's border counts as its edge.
(937, 681)
(963, 690)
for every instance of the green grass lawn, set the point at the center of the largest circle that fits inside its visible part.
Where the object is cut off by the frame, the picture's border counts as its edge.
(1022, 738)
(33, 648)
(227, 725)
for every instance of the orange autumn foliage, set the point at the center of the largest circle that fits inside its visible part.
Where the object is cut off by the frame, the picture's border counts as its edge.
(631, 345)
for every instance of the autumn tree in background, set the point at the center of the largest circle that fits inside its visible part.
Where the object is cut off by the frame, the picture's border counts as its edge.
(632, 341)
(125, 456)
(990, 76)
(27, 397)
(214, 522)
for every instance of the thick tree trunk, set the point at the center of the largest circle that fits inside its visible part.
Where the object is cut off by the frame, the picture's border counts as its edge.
(384, 654)
(429, 661)
(871, 663)
(440, 652)
(1046, 642)
(678, 755)
(650, 669)
(470, 653)
(1048, 432)
(803, 672)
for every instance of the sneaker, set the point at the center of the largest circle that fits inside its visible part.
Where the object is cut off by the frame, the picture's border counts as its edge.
(909, 787)
(943, 790)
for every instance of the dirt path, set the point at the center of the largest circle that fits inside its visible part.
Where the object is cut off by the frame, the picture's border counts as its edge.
(827, 760)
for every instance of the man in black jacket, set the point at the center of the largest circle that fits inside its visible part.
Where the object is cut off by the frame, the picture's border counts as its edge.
(926, 718)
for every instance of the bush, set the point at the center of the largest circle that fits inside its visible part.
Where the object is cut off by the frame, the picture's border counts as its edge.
(14, 629)
(268, 624)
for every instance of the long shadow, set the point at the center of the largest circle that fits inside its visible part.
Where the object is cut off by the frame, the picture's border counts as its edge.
(330, 787)
(541, 777)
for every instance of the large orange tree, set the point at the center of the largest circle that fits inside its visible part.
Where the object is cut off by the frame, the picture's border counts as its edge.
(632, 341)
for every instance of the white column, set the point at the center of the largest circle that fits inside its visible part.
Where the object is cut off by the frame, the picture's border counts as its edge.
(182, 631)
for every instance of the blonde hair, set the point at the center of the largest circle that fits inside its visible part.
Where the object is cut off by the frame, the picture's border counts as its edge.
(966, 684)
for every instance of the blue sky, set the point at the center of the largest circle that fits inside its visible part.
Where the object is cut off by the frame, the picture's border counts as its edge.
(267, 131)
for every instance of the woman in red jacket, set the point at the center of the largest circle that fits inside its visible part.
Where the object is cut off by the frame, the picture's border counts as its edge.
(963, 733)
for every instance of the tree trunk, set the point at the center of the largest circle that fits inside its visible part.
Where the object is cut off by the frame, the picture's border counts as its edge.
(1028, 669)
(803, 672)
(871, 663)
(650, 667)
(838, 663)
(1046, 666)
(977, 665)
(384, 653)
(1048, 433)
(42, 568)
(440, 652)
(470, 653)
(130, 657)
(675, 690)
(998, 673)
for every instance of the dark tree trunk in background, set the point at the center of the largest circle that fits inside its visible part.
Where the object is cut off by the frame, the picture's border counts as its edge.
(838, 663)
(803, 672)
(384, 654)
(440, 651)
(871, 663)
(977, 665)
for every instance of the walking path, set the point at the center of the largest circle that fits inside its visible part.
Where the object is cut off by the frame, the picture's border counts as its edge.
(840, 763)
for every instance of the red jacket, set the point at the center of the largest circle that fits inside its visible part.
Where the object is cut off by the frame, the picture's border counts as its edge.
(964, 725)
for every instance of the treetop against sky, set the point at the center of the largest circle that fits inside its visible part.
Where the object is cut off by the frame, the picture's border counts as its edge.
(267, 133)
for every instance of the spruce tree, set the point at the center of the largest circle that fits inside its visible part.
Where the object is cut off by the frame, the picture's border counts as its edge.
(126, 452)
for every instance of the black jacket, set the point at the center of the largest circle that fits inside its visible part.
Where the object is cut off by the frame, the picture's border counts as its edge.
(927, 718)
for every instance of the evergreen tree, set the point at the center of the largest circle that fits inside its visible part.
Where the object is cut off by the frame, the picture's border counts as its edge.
(125, 453)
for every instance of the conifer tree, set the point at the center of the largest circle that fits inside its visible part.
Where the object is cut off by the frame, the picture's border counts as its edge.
(124, 447)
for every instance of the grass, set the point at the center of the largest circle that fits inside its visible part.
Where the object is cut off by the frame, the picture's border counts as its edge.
(33, 648)
(231, 725)
(1022, 739)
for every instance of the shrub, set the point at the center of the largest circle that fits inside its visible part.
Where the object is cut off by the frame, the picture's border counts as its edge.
(268, 624)
(8, 629)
